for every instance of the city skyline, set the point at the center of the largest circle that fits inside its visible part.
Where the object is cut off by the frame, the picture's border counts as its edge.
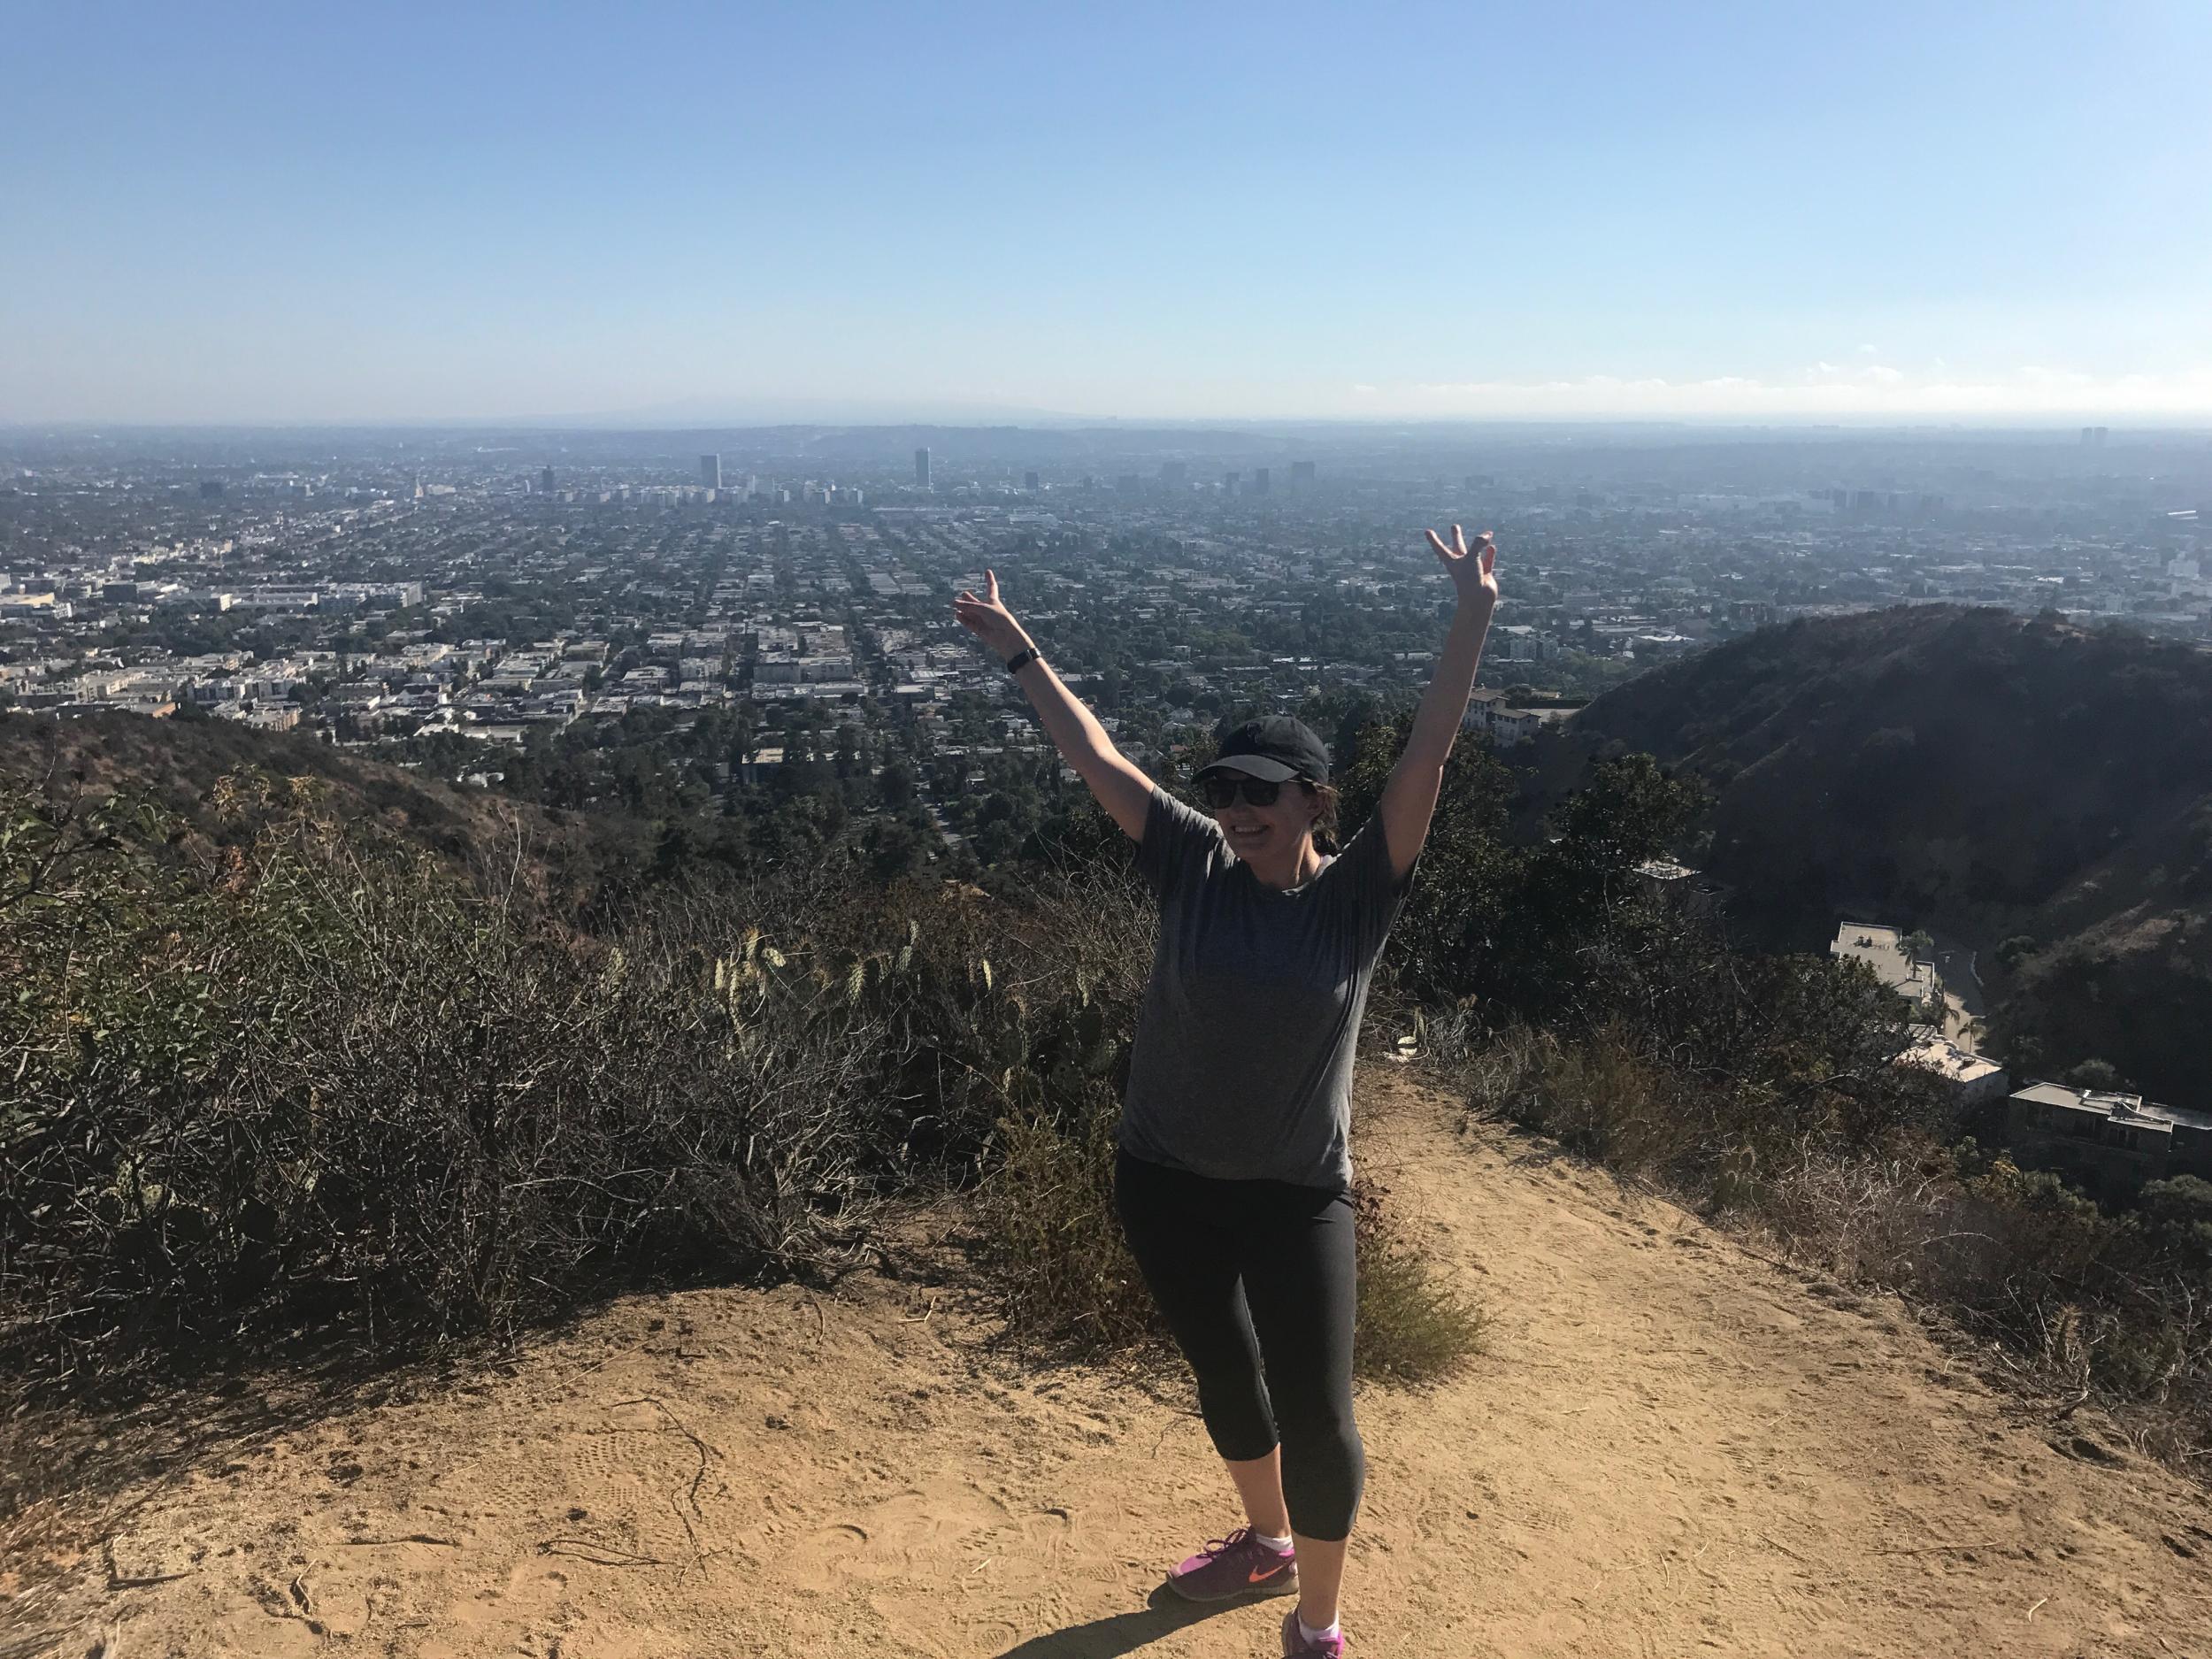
(1995, 214)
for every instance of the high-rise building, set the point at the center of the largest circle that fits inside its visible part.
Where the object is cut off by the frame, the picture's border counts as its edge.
(1301, 472)
(545, 481)
(1174, 474)
(1029, 482)
(711, 470)
(2095, 436)
(921, 469)
(1229, 482)
(1260, 480)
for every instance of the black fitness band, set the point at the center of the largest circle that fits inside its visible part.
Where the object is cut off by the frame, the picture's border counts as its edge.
(1022, 659)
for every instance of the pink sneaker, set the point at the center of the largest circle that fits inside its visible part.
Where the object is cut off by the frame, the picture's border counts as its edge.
(1296, 1647)
(1236, 1565)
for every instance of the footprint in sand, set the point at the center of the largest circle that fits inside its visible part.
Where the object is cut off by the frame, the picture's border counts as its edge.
(939, 1530)
(832, 1546)
(930, 1525)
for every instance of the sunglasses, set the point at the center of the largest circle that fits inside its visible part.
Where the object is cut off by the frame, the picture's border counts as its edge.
(1222, 789)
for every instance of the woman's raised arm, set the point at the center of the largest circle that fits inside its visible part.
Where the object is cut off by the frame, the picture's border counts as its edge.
(1121, 787)
(1409, 798)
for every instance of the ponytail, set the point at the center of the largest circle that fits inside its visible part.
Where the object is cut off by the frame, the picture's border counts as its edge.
(1325, 821)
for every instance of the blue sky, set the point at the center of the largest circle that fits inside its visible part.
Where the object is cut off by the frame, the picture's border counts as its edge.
(220, 213)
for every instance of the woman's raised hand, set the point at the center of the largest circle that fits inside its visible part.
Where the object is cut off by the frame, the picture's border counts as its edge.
(989, 620)
(1474, 568)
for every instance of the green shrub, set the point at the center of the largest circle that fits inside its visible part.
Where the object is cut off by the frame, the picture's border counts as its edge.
(317, 1081)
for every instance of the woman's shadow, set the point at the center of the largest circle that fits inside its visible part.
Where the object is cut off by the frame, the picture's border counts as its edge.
(1120, 1633)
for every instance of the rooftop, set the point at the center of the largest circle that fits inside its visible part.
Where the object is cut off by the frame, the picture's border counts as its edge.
(1935, 1052)
(1883, 949)
(2126, 1108)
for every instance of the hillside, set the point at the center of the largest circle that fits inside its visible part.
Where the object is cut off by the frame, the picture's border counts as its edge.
(1984, 775)
(1670, 1447)
(177, 763)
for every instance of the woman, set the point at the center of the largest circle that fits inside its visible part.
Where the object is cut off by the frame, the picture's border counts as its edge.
(1233, 1181)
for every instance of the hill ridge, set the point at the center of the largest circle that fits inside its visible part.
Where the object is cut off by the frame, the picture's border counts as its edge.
(1988, 776)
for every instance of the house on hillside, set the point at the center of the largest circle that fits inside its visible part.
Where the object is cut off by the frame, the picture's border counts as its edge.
(1483, 704)
(2107, 1144)
(1973, 1078)
(1693, 890)
(1884, 950)
(1487, 712)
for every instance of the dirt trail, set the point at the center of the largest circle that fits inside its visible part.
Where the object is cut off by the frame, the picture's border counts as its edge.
(1671, 1448)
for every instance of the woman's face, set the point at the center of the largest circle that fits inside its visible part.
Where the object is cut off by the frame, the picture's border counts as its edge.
(1257, 830)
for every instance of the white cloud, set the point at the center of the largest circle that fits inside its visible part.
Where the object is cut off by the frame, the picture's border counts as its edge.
(1871, 390)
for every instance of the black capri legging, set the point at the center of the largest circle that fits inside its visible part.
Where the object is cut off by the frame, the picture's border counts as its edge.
(1247, 1271)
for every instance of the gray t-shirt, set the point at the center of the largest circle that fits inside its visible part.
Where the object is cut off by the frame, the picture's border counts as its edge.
(1242, 1067)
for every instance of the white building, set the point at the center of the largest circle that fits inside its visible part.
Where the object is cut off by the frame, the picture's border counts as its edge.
(1973, 1078)
(1884, 950)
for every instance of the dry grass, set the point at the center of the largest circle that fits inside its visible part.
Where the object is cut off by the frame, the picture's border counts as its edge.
(316, 1082)
(1413, 1329)
(2060, 1301)
(1063, 1276)
(1067, 1282)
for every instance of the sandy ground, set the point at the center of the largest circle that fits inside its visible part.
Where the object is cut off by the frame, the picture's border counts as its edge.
(1670, 1448)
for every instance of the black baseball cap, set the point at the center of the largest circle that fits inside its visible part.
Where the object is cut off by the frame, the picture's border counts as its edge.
(1274, 749)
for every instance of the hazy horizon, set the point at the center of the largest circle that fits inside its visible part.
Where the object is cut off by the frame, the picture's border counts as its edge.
(246, 216)
(2062, 425)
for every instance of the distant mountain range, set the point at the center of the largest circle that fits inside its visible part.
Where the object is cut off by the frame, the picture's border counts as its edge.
(2039, 792)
